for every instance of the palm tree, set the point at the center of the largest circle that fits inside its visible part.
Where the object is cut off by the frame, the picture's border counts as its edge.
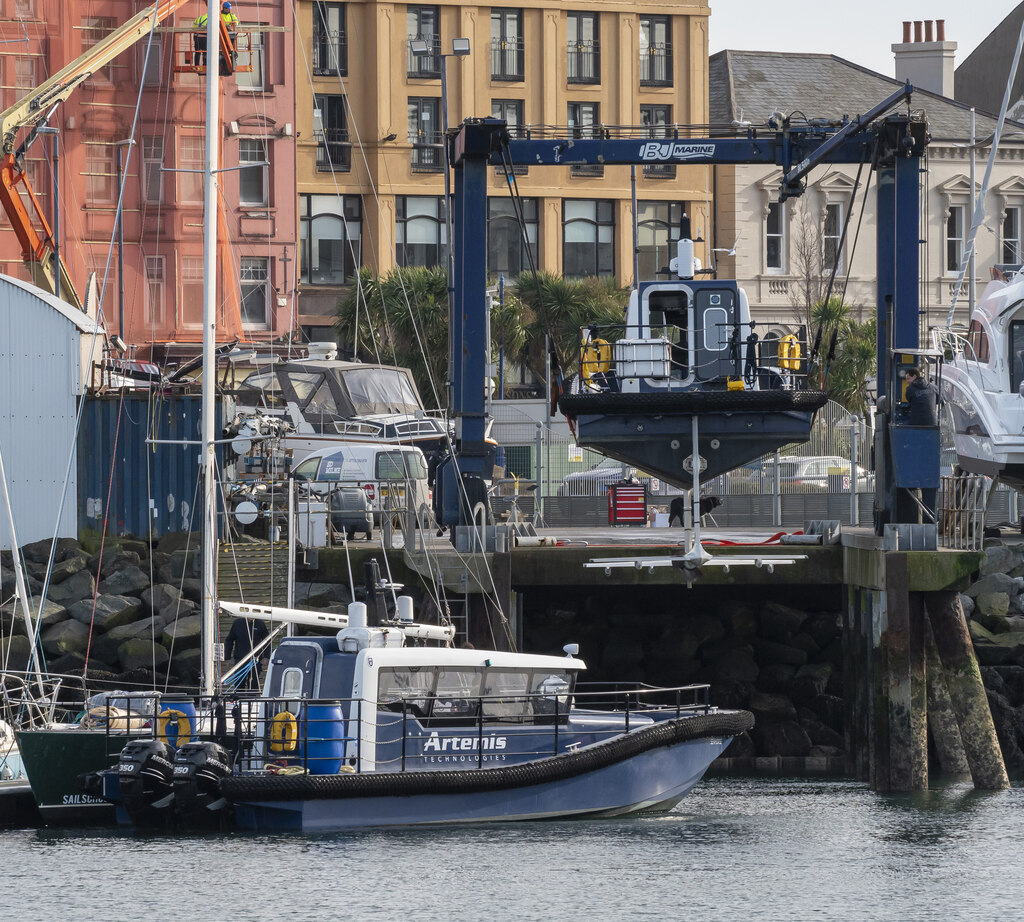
(847, 356)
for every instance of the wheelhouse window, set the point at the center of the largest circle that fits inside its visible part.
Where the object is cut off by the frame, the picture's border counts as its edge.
(252, 180)
(507, 252)
(657, 230)
(775, 238)
(423, 24)
(588, 237)
(831, 237)
(333, 151)
(330, 45)
(506, 44)
(655, 51)
(330, 238)
(978, 340)
(1016, 355)
(1011, 235)
(583, 61)
(420, 235)
(255, 285)
(955, 237)
(425, 134)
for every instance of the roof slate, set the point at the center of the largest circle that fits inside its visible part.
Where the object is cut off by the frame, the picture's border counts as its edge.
(751, 85)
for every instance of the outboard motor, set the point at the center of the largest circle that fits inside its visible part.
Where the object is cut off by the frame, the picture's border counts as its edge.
(145, 774)
(198, 770)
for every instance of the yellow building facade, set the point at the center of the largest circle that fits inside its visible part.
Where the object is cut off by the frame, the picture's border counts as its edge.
(369, 125)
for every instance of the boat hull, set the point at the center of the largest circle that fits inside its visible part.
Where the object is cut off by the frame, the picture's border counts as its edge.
(56, 760)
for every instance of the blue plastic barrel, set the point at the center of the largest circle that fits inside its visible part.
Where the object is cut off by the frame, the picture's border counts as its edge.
(324, 736)
(177, 723)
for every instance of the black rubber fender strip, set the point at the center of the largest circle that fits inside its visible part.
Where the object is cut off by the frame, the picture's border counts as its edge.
(688, 402)
(540, 771)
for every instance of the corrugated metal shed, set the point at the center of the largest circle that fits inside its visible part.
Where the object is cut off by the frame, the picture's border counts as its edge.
(148, 485)
(42, 343)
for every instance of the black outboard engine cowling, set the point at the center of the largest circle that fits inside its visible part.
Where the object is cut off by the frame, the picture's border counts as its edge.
(145, 775)
(198, 769)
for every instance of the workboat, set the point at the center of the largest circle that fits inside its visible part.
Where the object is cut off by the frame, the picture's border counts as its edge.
(323, 400)
(374, 727)
(688, 350)
(982, 376)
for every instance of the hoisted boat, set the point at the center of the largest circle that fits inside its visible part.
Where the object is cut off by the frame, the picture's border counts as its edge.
(982, 377)
(687, 349)
(372, 728)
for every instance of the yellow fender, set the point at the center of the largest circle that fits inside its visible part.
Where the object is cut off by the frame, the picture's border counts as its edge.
(284, 732)
(180, 720)
(595, 358)
(789, 353)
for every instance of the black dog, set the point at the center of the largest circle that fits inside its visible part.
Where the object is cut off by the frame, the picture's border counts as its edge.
(677, 511)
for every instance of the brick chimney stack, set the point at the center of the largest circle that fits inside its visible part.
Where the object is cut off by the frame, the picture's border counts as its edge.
(927, 60)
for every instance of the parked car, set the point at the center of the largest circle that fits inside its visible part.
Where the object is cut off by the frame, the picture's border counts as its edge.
(596, 480)
(814, 471)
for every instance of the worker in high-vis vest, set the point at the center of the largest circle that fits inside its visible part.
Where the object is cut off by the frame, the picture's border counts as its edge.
(199, 40)
(230, 21)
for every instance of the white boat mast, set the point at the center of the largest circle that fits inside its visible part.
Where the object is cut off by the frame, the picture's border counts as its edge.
(209, 458)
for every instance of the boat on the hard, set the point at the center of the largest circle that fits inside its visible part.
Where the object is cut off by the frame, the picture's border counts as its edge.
(688, 349)
(982, 380)
(376, 727)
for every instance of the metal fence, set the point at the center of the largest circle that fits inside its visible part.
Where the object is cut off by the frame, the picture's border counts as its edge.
(557, 483)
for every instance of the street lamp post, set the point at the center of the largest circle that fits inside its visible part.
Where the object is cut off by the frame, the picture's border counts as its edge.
(460, 48)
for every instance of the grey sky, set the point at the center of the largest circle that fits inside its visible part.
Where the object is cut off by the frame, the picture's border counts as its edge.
(861, 32)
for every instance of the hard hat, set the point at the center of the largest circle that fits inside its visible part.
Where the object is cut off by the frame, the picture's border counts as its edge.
(226, 6)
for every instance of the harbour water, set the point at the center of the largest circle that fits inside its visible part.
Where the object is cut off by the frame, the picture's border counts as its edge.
(735, 849)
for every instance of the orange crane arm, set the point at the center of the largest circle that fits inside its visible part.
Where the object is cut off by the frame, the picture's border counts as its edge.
(38, 246)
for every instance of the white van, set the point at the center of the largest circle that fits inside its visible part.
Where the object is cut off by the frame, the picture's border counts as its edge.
(382, 470)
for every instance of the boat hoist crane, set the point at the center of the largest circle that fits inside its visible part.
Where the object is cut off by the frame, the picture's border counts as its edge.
(891, 141)
(33, 111)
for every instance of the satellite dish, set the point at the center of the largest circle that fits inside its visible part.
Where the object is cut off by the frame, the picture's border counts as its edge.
(246, 512)
(240, 446)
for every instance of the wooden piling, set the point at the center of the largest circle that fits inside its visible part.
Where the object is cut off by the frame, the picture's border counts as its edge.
(967, 693)
(949, 747)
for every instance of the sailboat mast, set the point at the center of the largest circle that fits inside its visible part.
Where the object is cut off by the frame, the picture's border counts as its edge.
(209, 606)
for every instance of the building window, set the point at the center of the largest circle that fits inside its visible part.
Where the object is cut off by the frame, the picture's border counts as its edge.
(425, 134)
(333, 152)
(330, 238)
(192, 291)
(775, 237)
(24, 9)
(655, 51)
(657, 232)
(423, 24)
(583, 64)
(255, 284)
(95, 29)
(152, 166)
(100, 173)
(583, 120)
(253, 80)
(104, 268)
(252, 180)
(330, 47)
(24, 75)
(420, 234)
(955, 237)
(506, 44)
(508, 253)
(831, 237)
(658, 120)
(588, 237)
(511, 111)
(151, 61)
(191, 161)
(155, 278)
(1011, 235)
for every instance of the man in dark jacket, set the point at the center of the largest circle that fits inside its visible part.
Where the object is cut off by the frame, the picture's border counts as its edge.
(243, 636)
(923, 399)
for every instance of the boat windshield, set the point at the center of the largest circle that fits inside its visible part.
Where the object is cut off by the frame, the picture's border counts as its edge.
(261, 388)
(379, 390)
